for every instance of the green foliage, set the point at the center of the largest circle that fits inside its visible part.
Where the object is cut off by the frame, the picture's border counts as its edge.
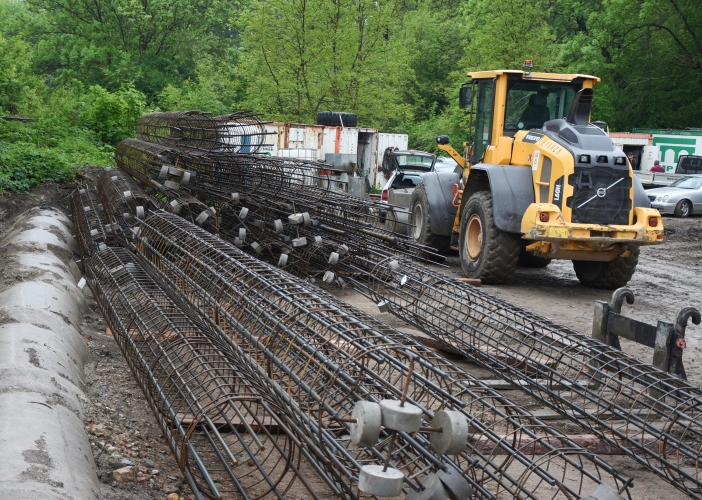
(503, 33)
(113, 115)
(23, 166)
(325, 55)
(114, 43)
(19, 86)
(85, 71)
(215, 88)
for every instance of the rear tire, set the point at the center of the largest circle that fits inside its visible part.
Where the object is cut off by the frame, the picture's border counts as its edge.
(337, 119)
(683, 209)
(486, 252)
(421, 229)
(607, 275)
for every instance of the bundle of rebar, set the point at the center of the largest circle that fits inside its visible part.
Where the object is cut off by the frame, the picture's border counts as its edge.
(90, 221)
(612, 394)
(227, 440)
(240, 132)
(317, 357)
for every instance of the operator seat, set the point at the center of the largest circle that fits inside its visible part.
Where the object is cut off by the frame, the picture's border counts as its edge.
(536, 113)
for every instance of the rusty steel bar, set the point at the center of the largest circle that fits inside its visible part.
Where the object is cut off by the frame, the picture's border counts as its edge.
(206, 409)
(572, 373)
(511, 342)
(318, 356)
(220, 180)
(89, 222)
(240, 132)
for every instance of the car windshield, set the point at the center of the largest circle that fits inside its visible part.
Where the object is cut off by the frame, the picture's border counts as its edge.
(688, 183)
(445, 165)
(414, 161)
(406, 181)
(532, 103)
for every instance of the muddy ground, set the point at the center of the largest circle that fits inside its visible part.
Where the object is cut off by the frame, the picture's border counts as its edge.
(122, 427)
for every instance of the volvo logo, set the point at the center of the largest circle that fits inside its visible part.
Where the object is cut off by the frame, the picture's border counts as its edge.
(601, 192)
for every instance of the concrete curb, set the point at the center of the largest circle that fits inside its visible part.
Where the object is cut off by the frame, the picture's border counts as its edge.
(44, 450)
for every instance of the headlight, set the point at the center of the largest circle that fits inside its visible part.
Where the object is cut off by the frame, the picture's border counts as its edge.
(665, 198)
(659, 198)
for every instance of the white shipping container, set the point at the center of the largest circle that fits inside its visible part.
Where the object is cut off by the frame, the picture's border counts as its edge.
(315, 142)
(301, 153)
(386, 140)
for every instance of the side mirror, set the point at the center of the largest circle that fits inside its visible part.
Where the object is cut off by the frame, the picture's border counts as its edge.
(442, 139)
(465, 95)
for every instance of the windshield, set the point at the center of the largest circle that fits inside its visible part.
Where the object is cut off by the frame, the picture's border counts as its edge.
(403, 180)
(414, 161)
(688, 183)
(531, 103)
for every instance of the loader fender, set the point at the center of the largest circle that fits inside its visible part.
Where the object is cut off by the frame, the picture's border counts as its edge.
(442, 212)
(512, 192)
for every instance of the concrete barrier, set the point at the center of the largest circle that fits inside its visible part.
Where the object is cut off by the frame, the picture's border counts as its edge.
(44, 451)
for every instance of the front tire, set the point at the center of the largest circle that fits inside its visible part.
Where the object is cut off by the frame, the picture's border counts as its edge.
(486, 252)
(420, 231)
(607, 275)
(683, 209)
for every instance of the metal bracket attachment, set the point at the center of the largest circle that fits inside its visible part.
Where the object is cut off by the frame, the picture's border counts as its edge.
(666, 339)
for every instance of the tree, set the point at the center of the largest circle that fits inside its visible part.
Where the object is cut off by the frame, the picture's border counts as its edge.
(115, 42)
(304, 56)
(649, 56)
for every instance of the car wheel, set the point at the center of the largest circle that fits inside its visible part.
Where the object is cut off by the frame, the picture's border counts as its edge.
(683, 209)
(420, 229)
(485, 252)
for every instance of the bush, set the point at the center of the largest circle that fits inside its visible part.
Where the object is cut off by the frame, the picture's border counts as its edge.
(46, 151)
(23, 166)
(113, 115)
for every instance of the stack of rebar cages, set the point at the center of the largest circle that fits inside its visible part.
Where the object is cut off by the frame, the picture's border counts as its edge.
(225, 301)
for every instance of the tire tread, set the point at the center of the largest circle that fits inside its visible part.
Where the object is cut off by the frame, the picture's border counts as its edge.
(614, 274)
(504, 247)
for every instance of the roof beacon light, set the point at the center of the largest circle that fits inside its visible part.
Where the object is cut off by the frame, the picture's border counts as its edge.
(528, 65)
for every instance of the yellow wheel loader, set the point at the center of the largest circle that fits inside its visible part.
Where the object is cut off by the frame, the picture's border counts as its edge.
(537, 182)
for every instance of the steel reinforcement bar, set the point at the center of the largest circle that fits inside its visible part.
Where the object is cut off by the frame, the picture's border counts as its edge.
(611, 393)
(608, 392)
(89, 221)
(240, 132)
(220, 180)
(216, 426)
(318, 357)
(602, 389)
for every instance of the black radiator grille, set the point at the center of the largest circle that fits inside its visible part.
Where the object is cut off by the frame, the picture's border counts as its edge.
(601, 195)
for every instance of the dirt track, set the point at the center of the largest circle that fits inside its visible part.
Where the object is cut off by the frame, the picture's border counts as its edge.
(667, 279)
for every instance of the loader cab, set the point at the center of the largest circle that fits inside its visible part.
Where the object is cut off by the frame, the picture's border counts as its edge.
(505, 102)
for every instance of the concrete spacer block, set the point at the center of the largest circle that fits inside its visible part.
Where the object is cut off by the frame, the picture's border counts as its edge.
(454, 432)
(366, 430)
(456, 485)
(407, 418)
(373, 480)
(433, 489)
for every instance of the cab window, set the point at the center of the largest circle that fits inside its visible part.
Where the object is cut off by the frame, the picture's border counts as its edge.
(532, 103)
(483, 119)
